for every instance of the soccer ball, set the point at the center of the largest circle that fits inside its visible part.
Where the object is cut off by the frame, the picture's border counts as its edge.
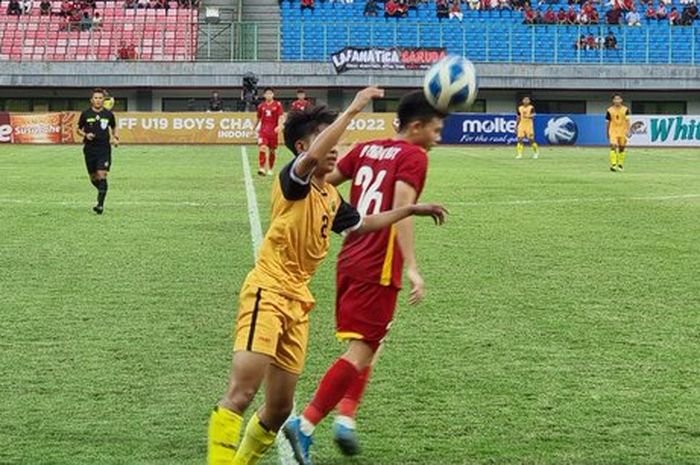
(450, 84)
(561, 130)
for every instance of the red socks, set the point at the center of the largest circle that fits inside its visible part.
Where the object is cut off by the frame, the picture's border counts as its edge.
(261, 159)
(334, 385)
(353, 396)
(273, 156)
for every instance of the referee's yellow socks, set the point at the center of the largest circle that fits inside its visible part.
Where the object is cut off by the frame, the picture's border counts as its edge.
(256, 441)
(613, 157)
(224, 434)
(621, 158)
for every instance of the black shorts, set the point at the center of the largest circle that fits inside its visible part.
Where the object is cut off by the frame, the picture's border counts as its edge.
(97, 157)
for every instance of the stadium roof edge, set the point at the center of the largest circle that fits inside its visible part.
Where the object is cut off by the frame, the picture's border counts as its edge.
(322, 74)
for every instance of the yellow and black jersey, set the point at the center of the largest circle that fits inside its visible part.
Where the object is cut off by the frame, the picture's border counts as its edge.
(618, 117)
(302, 218)
(526, 114)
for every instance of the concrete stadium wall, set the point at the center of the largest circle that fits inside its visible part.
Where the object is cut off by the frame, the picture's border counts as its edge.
(320, 74)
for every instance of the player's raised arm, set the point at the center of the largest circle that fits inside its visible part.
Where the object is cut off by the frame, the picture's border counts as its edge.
(382, 220)
(328, 139)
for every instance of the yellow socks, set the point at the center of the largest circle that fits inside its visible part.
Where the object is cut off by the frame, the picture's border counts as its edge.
(613, 157)
(535, 148)
(519, 149)
(256, 440)
(224, 433)
(621, 158)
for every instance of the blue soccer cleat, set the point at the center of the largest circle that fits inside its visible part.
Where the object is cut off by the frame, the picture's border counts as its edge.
(300, 442)
(346, 439)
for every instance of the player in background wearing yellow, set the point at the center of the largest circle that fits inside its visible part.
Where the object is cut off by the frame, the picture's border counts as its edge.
(273, 324)
(618, 121)
(526, 128)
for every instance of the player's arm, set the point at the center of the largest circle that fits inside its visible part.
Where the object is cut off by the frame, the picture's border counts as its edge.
(280, 121)
(348, 219)
(517, 117)
(294, 187)
(627, 120)
(404, 195)
(328, 139)
(113, 130)
(608, 118)
(82, 122)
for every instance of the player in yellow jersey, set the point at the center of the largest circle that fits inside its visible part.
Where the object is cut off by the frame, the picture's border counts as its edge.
(526, 128)
(618, 118)
(272, 324)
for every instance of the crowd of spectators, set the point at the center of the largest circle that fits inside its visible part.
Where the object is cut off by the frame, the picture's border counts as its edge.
(591, 42)
(159, 4)
(619, 12)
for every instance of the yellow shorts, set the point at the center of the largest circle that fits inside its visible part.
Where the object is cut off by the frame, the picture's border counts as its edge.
(271, 324)
(618, 139)
(526, 132)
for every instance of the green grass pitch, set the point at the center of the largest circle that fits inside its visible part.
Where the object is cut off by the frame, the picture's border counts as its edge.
(561, 326)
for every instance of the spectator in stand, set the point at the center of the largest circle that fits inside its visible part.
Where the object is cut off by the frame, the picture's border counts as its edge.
(633, 18)
(582, 18)
(45, 7)
(674, 17)
(580, 44)
(307, 5)
(402, 8)
(442, 10)
(129, 3)
(651, 12)
(588, 8)
(391, 9)
(613, 16)
(474, 4)
(216, 104)
(370, 8)
(661, 12)
(550, 17)
(561, 16)
(27, 6)
(595, 17)
(504, 5)
(85, 21)
(690, 13)
(571, 15)
(14, 8)
(591, 43)
(143, 4)
(627, 5)
(456, 11)
(610, 42)
(528, 15)
(96, 21)
(126, 52)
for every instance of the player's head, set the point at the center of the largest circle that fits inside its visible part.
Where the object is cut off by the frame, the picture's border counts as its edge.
(301, 94)
(617, 100)
(419, 122)
(98, 98)
(269, 94)
(302, 127)
(526, 100)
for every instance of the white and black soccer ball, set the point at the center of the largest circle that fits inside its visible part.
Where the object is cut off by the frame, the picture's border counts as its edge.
(561, 130)
(450, 85)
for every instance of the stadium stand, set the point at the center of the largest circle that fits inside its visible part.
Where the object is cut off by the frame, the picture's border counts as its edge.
(496, 35)
(122, 33)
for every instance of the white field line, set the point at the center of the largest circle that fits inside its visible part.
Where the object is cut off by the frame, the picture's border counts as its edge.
(253, 214)
(147, 203)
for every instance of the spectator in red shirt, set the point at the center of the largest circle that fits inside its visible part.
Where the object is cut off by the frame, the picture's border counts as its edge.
(674, 17)
(591, 43)
(571, 15)
(402, 8)
(613, 16)
(456, 11)
(628, 5)
(66, 8)
(651, 12)
(300, 104)
(550, 17)
(588, 8)
(307, 5)
(391, 9)
(561, 16)
(528, 15)
(595, 17)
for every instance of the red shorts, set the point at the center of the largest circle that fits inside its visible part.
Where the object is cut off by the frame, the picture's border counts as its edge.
(363, 310)
(270, 139)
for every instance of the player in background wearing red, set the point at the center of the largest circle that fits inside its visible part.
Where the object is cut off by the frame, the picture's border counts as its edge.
(385, 174)
(300, 104)
(269, 123)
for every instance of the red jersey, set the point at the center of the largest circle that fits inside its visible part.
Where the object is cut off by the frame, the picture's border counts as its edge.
(269, 115)
(375, 167)
(300, 105)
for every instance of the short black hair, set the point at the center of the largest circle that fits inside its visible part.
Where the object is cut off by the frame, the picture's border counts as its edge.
(301, 91)
(98, 90)
(415, 107)
(268, 88)
(302, 124)
(616, 94)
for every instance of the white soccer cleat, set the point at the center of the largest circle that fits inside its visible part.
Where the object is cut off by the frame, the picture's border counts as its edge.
(269, 172)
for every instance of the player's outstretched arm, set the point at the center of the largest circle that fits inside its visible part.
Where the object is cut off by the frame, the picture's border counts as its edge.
(382, 220)
(328, 139)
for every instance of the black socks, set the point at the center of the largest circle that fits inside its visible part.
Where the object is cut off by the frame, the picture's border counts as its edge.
(101, 185)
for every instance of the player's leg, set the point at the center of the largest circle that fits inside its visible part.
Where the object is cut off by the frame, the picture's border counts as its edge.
(272, 154)
(247, 372)
(258, 328)
(350, 403)
(262, 428)
(263, 153)
(613, 154)
(101, 185)
(622, 152)
(533, 145)
(519, 147)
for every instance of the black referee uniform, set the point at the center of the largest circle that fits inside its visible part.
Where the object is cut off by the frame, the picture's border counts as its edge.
(98, 151)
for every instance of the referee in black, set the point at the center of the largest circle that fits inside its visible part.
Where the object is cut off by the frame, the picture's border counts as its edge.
(98, 128)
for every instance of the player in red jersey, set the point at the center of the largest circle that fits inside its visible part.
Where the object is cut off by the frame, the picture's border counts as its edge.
(270, 121)
(300, 104)
(385, 174)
